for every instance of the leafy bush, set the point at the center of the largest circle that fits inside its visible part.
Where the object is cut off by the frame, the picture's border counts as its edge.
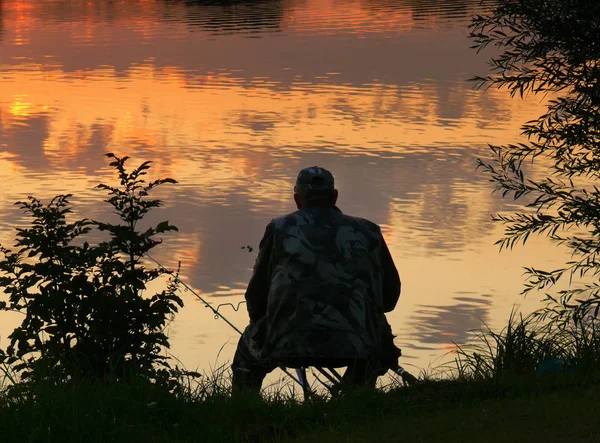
(551, 47)
(86, 311)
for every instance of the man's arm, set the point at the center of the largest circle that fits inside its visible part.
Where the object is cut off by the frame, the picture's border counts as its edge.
(390, 279)
(258, 289)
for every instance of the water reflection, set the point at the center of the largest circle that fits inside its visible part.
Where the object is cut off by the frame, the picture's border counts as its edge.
(373, 90)
(24, 141)
(1, 20)
(429, 209)
(257, 122)
(230, 17)
(421, 9)
(432, 326)
(134, 33)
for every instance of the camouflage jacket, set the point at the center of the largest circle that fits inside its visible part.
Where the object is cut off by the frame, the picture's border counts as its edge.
(321, 283)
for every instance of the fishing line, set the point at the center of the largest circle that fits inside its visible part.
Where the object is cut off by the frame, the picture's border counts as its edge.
(234, 307)
(187, 288)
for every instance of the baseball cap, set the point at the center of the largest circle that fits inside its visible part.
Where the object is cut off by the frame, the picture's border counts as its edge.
(314, 178)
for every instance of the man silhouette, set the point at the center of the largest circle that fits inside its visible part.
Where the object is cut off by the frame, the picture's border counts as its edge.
(321, 284)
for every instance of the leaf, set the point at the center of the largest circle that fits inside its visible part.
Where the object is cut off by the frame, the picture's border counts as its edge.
(164, 227)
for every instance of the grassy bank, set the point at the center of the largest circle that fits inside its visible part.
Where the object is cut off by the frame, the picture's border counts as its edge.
(532, 381)
(560, 407)
(566, 413)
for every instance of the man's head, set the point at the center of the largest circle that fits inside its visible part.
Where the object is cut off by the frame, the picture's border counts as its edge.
(315, 187)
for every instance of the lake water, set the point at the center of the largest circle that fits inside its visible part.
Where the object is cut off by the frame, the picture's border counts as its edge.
(233, 98)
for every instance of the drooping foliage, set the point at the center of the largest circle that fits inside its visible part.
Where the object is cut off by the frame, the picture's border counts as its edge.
(551, 48)
(86, 309)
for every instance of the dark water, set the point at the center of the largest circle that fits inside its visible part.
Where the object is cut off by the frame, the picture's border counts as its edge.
(232, 98)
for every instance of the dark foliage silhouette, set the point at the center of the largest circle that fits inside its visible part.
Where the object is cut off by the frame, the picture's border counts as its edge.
(551, 48)
(87, 313)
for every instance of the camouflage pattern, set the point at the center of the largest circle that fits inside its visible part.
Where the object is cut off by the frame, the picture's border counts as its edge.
(322, 292)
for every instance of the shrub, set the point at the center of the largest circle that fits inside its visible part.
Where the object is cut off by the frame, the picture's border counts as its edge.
(86, 310)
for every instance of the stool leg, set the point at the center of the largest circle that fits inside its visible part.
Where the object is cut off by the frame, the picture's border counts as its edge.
(305, 388)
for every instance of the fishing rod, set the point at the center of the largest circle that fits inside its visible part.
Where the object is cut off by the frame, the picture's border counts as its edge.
(215, 311)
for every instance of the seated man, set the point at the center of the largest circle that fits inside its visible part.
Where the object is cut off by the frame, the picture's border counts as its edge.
(321, 284)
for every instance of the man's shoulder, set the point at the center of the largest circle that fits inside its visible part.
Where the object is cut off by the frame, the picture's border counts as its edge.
(301, 216)
(292, 218)
(362, 223)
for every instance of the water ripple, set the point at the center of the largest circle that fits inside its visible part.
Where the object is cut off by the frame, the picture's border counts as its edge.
(232, 98)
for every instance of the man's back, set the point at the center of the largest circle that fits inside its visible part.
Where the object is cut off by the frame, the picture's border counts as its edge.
(325, 297)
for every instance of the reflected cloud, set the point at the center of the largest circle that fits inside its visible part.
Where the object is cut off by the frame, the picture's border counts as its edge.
(125, 35)
(83, 146)
(214, 17)
(160, 111)
(24, 139)
(257, 122)
(236, 149)
(434, 326)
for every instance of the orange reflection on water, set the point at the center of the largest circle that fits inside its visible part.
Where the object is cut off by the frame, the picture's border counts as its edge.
(358, 18)
(230, 112)
(20, 107)
(233, 119)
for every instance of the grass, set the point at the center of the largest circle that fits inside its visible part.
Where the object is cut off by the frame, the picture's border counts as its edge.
(528, 345)
(496, 393)
(564, 414)
(559, 406)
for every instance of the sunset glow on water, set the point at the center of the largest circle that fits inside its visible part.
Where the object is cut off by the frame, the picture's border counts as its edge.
(232, 99)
